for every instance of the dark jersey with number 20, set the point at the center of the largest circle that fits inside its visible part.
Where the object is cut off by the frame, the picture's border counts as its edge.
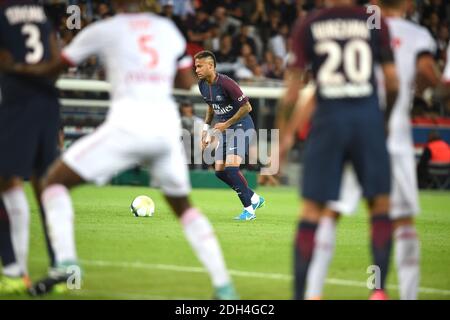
(341, 46)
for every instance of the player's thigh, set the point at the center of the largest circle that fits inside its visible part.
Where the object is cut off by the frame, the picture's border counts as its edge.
(349, 194)
(169, 168)
(48, 146)
(404, 194)
(19, 134)
(323, 161)
(370, 158)
(100, 155)
(221, 147)
(238, 143)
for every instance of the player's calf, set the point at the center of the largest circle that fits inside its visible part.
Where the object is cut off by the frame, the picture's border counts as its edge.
(18, 211)
(60, 174)
(381, 235)
(407, 257)
(200, 235)
(304, 245)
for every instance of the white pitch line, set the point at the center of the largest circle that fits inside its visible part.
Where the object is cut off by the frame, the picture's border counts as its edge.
(245, 274)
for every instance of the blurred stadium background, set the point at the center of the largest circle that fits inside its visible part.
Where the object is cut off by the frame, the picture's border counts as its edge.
(250, 40)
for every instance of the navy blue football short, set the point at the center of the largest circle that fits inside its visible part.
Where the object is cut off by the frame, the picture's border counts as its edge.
(236, 140)
(356, 136)
(29, 136)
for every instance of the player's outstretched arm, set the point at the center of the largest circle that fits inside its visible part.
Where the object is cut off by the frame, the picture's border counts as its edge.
(428, 75)
(303, 111)
(208, 119)
(391, 86)
(184, 79)
(294, 83)
(428, 71)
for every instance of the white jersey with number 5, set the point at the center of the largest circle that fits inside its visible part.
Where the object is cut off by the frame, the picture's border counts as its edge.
(409, 41)
(141, 54)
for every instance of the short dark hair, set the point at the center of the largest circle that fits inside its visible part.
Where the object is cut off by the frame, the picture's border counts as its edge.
(206, 54)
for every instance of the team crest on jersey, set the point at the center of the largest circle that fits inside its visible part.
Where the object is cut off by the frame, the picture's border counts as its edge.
(219, 98)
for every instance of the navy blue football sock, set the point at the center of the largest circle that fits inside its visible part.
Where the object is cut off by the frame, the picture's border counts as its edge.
(303, 251)
(6, 247)
(381, 233)
(222, 175)
(239, 184)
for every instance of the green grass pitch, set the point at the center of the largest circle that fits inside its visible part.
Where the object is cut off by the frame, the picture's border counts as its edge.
(124, 257)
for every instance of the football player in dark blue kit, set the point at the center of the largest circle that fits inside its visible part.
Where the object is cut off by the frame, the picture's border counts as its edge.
(29, 122)
(341, 50)
(235, 127)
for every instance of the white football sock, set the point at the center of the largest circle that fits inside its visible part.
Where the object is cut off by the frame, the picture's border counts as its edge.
(12, 270)
(60, 219)
(16, 205)
(325, 240)
(250, 209)
(202, 239)
(255, 198)
(407, 256)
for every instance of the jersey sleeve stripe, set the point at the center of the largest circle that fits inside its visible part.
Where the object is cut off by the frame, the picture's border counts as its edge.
(185, 63)
(67, 60)
(424, 53)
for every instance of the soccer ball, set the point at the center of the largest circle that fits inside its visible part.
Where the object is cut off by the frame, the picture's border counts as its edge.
(142, 206)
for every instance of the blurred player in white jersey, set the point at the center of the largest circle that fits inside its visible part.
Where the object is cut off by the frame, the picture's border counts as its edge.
(446, 73)
(446, 80)
(413, 49)
(144, 55)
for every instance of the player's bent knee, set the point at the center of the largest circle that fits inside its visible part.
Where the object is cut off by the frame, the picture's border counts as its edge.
(404, 221)
(10, 183)
(178, 204)
(233, 161)
(60, 173)
(379, 205)
(331, 214)
(311, 211)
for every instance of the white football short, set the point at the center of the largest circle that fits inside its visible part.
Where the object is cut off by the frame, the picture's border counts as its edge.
(109, 150)
(349, 195)
(404, 193)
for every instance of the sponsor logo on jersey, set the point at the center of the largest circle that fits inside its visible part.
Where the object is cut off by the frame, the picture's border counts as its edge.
(241, 98)
(221, 110)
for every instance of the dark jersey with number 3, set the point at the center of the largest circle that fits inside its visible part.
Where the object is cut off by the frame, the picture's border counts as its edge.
(24, 33)
(341, 47)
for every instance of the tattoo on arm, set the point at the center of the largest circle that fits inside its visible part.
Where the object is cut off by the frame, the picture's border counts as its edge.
(242, 112)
